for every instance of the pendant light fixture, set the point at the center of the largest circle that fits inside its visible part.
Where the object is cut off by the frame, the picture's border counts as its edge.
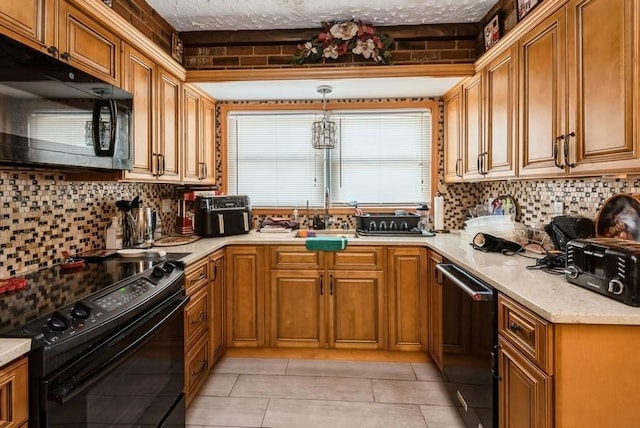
(324, 131)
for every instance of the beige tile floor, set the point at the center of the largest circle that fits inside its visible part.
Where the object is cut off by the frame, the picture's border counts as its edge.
(284, 392)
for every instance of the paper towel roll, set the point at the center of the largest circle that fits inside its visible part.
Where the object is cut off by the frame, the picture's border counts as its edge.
(438, 212)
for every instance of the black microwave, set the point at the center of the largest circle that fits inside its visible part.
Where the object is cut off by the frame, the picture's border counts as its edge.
(52, 114)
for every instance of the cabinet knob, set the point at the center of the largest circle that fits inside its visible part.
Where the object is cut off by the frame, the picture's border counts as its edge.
(66, 56)
(53, 51)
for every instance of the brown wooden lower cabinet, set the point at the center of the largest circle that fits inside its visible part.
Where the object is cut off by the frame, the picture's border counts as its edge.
(525, 391)
(197, 367)
(245, 296)
(335, 309)
(407, 298)
(14, 394)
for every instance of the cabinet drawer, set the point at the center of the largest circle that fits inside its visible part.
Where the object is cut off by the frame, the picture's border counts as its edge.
(196, 368)
(196, 275)
(196, 316)
(361, 258)
(526, 331)
(295, 257)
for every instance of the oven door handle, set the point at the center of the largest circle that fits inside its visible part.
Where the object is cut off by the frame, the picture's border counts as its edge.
(471, 285)
(85, 372)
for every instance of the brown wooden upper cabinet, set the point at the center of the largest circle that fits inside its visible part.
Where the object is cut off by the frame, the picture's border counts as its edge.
(30, 21)
(87, 45)
(65, 32)
(453, 135)
(604, 86)
(156, 130)
(579, 92)
(543, 103)
(480, 123)
(199, 137)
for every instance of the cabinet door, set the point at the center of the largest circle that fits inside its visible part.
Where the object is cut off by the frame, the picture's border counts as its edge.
(407, 297)
(472, 128)
(245, 296)
(356, 310)
(452, 136)
(298, 308)
(30, 21)
(14, 394)
(524, 391)
(140, 74)
(208, 142)
(542, 97)
(604, 84)
(217, 296)
(169, 90)
(192, 171)
(500, 148)
(87, 45)
(434, 310)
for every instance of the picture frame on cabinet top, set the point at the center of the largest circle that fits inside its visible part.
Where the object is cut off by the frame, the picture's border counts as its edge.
(492, 31)
(177, 48)
(523, 7)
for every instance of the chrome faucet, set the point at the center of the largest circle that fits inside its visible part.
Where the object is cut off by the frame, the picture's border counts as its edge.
(327, 220)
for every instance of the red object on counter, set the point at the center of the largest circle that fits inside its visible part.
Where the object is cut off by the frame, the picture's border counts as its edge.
(12, 284)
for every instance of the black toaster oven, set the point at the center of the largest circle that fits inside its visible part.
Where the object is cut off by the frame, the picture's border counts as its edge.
(608, 266)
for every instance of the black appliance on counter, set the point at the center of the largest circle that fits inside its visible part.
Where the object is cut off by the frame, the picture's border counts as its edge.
(383, 224)
(222, 216)
(107, 343)
(60, 115)
(470, 344)
(609, 266)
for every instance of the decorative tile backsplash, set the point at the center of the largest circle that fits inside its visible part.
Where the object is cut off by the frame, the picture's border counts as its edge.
(42, 214)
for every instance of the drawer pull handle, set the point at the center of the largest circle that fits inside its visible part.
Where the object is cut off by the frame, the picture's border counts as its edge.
(203, 366)
(201, 318)
(515, 327)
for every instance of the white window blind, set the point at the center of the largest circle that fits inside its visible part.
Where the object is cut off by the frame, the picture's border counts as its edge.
(270, 158)
(382, 158)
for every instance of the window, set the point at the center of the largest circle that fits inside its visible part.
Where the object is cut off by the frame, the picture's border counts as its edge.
(383, 157)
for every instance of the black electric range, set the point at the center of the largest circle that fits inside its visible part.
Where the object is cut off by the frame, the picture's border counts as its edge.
(53, 288)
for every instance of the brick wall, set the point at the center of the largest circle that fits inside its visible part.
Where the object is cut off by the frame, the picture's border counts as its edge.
(421, 44)
(142, 16)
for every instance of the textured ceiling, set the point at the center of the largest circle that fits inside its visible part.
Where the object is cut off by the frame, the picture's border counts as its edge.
(209, 15)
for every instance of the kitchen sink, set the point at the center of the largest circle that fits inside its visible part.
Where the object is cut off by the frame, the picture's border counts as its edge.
(349, 233)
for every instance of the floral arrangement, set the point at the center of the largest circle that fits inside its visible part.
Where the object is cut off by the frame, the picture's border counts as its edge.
(340, 38)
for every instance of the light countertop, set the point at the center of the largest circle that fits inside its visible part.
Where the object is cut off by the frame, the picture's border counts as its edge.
(549, 296)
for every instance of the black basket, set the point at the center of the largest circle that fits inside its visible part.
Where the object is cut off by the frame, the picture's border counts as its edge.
(384, 221)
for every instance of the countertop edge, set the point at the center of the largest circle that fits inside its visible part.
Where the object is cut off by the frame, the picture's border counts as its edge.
(10, 349)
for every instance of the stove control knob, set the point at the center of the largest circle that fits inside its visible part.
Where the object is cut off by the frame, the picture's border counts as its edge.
(58, 322)
(572, 272)
(168, 267)
(157, 272)
(80, 311)
(616, 286)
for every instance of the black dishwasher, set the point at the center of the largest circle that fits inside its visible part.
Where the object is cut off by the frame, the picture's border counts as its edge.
(470, 340)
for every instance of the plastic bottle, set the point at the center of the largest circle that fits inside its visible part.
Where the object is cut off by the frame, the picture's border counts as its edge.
(113, 239)
(295, 214)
